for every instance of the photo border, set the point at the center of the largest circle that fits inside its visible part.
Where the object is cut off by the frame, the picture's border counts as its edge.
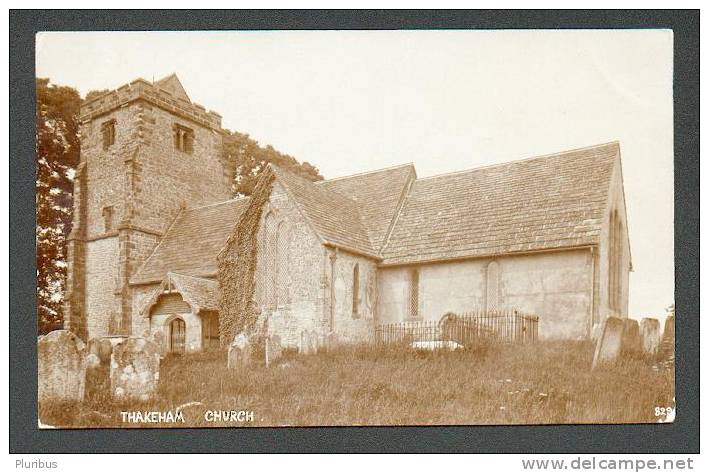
(682, 436)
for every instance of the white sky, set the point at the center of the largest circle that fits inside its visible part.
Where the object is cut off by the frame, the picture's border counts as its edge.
(351, 101)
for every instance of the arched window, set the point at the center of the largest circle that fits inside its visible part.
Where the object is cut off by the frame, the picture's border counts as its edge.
(355, 291)
(492, 286)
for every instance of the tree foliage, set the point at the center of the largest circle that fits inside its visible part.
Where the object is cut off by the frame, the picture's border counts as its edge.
(247, 160)
(57, 156)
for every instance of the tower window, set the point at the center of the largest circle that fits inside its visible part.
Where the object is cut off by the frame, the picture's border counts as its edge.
(108, 131)
(184, 139)
(107, 213)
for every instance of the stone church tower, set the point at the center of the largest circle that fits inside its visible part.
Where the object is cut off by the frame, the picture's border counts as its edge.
(147, 152)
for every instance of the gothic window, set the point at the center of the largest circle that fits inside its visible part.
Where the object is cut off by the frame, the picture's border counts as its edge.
(414, 293)
(492, 285)
(108, 132)
(184, 139)
(107, 213)
(355, 291)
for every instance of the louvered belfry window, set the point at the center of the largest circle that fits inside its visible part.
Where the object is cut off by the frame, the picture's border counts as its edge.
(108, 133)
(184, 139)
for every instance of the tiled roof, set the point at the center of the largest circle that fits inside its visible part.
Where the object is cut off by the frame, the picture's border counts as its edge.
(378, 196)
(199, 293)
(540, 203)
(191, 244)
(333, 216)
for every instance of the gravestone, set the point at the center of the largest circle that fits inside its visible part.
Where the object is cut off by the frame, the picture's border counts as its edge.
(135, 369)
(314, 342)
(331, 341)
(274, 350)
(306, 345)
(61, 367)
(631, 343)
(650, 335)
(98, 367)
(158, 339)
(609, 343)
(239, 352)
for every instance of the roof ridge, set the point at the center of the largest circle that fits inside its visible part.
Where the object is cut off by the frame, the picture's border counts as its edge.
(405, 193)
(213, 204)
(364, 173)
(182, 275)
(514, 161)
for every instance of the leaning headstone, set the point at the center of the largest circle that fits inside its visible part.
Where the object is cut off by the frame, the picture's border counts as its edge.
(650, 335)
(61, 367)
(135, 369)
(631, 343)
(274, 350)
(98, 368)
(239, 352)
(609, 344)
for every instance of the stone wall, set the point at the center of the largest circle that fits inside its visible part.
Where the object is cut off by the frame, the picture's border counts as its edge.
(351, 326)
(300, 286)
(102, 286)
(170, 178)
(555, 286)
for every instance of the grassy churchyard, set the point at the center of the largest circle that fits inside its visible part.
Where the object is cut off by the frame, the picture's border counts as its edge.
(542, 383)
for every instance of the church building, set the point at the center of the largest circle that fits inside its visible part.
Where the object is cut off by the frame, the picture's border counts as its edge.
(159, 247)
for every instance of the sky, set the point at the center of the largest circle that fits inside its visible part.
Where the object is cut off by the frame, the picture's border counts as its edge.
(354, 101)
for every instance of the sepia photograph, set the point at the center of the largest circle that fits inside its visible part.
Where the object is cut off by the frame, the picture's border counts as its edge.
(354, 228)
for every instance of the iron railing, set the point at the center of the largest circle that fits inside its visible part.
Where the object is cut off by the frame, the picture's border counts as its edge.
(465, 329)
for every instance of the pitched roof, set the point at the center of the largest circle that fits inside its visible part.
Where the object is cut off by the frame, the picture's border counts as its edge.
(540, 203)
(199, 293)
(191, 244)
(378, 196)
(333, 216)
(173, 85)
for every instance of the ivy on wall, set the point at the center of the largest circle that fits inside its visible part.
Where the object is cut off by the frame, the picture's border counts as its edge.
(236, 267)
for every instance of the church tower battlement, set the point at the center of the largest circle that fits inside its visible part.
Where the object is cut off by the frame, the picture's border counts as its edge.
(147, 152)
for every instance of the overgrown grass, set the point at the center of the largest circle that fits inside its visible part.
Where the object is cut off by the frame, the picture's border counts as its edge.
(544, 383)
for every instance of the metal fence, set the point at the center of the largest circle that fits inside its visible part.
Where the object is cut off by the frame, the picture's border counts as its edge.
(500, 325)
